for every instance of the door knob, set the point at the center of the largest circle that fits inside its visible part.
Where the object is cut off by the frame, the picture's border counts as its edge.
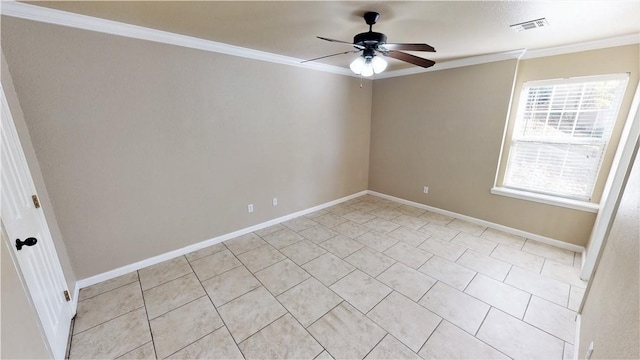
(28, 242)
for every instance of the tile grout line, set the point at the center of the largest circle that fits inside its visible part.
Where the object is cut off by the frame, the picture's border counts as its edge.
(146, 312)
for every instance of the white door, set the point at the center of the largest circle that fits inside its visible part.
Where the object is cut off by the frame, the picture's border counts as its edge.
(38, 262)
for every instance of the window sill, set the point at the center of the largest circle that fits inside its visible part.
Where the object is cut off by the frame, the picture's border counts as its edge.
(547, 199)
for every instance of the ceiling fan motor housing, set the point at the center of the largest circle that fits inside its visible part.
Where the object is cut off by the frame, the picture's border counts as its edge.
(370, 39)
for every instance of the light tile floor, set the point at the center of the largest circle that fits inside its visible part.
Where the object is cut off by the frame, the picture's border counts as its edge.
(367, 278)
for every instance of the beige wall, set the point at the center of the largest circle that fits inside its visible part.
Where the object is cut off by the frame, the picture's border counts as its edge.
(612, 304)
(36, 174)
(444, 129)
(617, 60)
(147, 148)
(21, 336)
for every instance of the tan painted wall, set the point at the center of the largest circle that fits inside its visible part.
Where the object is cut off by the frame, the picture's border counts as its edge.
(147, 148)
(443, 130)
(21, 336)
(36, 174)
(612, 304)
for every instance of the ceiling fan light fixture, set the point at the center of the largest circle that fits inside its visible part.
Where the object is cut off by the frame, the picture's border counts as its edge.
(367, 70)
(378, 64)
(357, 65)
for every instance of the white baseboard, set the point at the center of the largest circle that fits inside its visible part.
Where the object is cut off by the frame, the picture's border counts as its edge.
(576, 342)
(510, 230)
(203, 244)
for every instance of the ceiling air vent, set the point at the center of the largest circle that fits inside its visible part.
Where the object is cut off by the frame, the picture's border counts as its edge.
(529, 25)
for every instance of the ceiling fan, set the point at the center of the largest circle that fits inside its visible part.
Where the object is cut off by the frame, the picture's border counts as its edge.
(372, 43)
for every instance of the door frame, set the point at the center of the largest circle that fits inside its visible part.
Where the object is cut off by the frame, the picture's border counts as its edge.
(21, 161)
(613, 189)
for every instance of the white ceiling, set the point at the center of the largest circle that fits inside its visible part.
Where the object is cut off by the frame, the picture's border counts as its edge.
(457, 29)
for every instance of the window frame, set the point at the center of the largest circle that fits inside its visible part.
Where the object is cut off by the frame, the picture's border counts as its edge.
(567, 201)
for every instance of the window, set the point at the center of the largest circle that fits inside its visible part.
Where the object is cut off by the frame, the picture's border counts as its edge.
(561, 133)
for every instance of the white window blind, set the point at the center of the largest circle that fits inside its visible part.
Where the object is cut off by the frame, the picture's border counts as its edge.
(561, 133)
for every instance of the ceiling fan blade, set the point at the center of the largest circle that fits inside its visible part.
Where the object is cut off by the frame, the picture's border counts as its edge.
(425, 63)
(409, 47)
(333, 40)
(322, 57)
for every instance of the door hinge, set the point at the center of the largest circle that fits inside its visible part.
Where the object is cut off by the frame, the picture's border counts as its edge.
(66, 295)
(36, 203)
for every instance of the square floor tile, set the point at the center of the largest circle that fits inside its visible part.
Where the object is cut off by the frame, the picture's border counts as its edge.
(536, 284)
(500, 295)
(157, 274)
(146, 351)
(370, 261)
(328, 268)
(518, 258)
(358, 216)
(361, 290)
(351, 229)
(216, 264)
(259, 258)
(404, 319)
(299, 224)
(97, 289)
(112, 338)
(244, 243)
(457, 307)
(341, 209)
(184, 325)
(410, 210)
(407, 281)
(436, 218)
(377, 241)
(575, 298)
(106, 306)
(489, 266)
(410, 221)
(282, 339)
(250, 312)
(504, 238)
(444, 249)
(439, 231)
(346, 333)
(408, 255)
(269, 230)
(230, 285)
(342, 246)
(315, 214)
(217, 345)
(172, 294)
(408, 236)
(386, 213)
(330, 220)
(450, 273)
(556, 254)
(518, 339)
(381, 225)
(450, 342)
(565, 273)
(475, 243)
(555, 319)
(282, 238)
(303, 251)
(281, 276)
(318, 234)
(365, 206)
(209, 250)
(391, 348)
(467, 227)
(309, 300)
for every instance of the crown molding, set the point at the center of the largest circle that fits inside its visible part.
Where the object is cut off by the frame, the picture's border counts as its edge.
(63, 18)
(474, 60)
(586, 46)
(78, 21)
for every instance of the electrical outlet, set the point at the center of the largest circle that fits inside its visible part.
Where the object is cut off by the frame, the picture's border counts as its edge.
(274, 201)
(589, 352)
(425, 190)
(250, 208)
